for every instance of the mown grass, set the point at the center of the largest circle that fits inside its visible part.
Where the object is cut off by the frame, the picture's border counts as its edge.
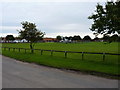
(64, 63)
(91, 63)
(82, 47)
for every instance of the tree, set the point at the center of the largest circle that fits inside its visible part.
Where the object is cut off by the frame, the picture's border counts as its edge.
(106, 19)
(59, 37)
(96, 39)
(66, 37)
(114, 38)
(70, 38)
(106, 38)
(76, 38)
(87, 38)
(18, 38)
(30, 33)
(10, 37)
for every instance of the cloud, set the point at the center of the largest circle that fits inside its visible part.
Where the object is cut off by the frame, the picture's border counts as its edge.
(53, 18)
(54, 0)
(82, 34)
(70, 27)
(5, 34)
(9, 27)
(9, 30)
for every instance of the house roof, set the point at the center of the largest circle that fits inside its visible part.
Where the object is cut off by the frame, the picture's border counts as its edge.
(50, 39)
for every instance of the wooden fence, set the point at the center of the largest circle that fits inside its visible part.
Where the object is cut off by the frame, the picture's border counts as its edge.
(65, 52)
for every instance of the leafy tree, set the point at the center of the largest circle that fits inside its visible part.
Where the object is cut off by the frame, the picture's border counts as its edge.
(59, 37)
(96, 39)
(70, 38)
(114, 38)
(30, 33)
(87, 38)
(106, 38)
(66, 37)
(18, 38)
(10, 37)
(106, 18)
(119, 39)
(76, 37)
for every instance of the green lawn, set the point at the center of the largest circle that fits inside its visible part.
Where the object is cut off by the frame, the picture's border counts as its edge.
(90, 63)
(83, 47)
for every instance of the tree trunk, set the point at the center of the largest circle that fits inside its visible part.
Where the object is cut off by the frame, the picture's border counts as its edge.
(31, 47)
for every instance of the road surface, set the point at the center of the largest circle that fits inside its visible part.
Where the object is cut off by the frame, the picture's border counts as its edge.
(18, 74)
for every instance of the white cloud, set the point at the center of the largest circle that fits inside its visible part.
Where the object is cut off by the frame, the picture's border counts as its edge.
(5, 34)
(82, 34)
(9, 28)
(66, 19)
(70, 27)
(54, 0)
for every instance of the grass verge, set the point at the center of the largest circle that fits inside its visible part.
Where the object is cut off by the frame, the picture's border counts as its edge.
(99, 68)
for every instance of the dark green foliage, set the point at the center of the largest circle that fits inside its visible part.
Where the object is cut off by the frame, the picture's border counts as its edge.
(10, 37)
(30, 33)
(106, 38)
(70, 38)
(76, 37)
(87, 38)
(59, 38)
(106, 18)
(114, 38)
(96, 39)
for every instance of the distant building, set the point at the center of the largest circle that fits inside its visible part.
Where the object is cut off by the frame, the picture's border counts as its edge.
(49, 39)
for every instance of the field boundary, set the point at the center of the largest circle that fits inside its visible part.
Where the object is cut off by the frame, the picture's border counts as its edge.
(65, 52)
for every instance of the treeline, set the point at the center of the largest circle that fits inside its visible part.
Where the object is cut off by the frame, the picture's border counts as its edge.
(105, 38)
(76, 37)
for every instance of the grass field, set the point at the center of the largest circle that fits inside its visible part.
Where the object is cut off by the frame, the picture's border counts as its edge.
(91, 63)
(83, 47)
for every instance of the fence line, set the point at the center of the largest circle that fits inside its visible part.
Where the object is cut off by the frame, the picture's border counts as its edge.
(65, 52)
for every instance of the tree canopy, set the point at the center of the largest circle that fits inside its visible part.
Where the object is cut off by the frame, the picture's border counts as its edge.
(87, 38)
(76, 37)
(59, 37)
(10, 37)
(30, 33)
(106, 19)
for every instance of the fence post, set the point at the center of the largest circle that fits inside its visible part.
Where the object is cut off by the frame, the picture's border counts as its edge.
(9, 49)
(41, 52)
(65, 54)
(103, 56)
(82, 55)
(13, 49)
(51, 52)
(19, 49)
(4, 48)
(25, 50)
(32, 50)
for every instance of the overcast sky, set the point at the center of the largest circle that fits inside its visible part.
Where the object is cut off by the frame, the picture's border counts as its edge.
(54, 18)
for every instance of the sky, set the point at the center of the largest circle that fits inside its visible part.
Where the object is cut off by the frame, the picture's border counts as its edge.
(54, 17)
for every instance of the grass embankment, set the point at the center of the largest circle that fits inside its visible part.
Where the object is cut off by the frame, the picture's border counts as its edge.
(91, 63)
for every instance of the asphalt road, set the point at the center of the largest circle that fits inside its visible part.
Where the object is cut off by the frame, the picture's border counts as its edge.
(16, 74)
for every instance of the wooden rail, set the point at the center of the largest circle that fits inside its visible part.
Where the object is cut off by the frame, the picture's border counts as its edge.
(65, 52)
